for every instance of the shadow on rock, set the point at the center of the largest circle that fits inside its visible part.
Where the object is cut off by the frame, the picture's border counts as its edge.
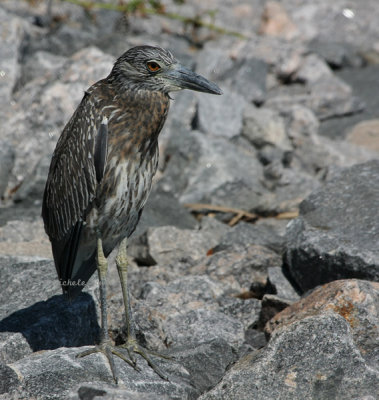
(47, 325)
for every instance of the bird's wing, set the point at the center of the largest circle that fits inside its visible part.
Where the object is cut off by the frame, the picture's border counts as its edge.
(76, 168)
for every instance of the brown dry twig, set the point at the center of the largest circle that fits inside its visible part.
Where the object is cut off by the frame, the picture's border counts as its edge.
(239, 214)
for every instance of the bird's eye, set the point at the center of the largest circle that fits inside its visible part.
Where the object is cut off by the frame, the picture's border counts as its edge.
(153, 66)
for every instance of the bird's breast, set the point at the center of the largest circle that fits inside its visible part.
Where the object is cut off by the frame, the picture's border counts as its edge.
(121, 197)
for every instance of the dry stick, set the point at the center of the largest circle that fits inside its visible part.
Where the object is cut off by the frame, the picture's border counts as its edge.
(239, 214)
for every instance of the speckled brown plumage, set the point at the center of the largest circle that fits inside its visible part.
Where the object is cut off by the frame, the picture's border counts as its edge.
(102, 168)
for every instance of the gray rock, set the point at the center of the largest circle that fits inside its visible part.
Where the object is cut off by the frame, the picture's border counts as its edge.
(327, 97)
(239, 267)
(161, 209)
(168, 245)
(235, 70)
(37, 371)
(355, 300)
(247, 311)
(272, 305)
(256, 339)
(247, 77)
(363, 82)
(9, 379)
(206, 362)
(40, 64)
(221, 115)
(245, 234)
(201, 325)
(262, 126)
(65, 40)
(44, 105)
(160, 305)
(281, 285)
(313, 153)
(34, 316)
(332, 97)
(183, 294)
(7, 156)
(312, 358)
(313, 69)
(336, 235)
(341, 24)
(91, 391)
(336, 54)
(213, 173)
(12, 31)
(32, 188)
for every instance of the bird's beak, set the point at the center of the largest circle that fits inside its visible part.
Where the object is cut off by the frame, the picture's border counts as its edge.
(184, 78)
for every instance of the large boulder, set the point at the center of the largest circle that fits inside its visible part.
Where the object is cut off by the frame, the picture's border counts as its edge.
(337, 233)
(317, 350)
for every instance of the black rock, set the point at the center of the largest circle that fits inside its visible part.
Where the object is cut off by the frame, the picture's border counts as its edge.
(336, 235)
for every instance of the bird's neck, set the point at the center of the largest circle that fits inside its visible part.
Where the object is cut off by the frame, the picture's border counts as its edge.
(135, 121)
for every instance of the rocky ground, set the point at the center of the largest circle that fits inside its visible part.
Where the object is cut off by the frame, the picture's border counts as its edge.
(256, 263)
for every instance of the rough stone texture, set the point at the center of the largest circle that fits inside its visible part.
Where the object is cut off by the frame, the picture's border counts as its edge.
(202, 291)
(264, 127)
(276, 21)
(200, 325)
(168, 245)
(12, 31)
(363, 81)
(51, 374)
(40, 318)
(216, 117)
(337, 54)
(315, 357)
(240, 267)
(365, 134)
(355, 300)
(245, 234)
(7, 156)
(206, 169)
(337, 233)
(281, 285)
(327, 97)
(43, 106)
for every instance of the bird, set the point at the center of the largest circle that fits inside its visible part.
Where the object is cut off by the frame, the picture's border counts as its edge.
(101, 174)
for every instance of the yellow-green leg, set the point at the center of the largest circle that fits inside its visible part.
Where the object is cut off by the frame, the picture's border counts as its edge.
(105, 346)
(132, 345)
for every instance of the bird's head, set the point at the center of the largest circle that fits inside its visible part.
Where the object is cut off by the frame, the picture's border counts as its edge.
(156, 69)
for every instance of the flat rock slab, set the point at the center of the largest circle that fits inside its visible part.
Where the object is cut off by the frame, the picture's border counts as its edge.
(51, 374)
(58, 374)
(337, 233)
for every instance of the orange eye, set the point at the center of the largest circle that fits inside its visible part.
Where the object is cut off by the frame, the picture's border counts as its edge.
(153, 66)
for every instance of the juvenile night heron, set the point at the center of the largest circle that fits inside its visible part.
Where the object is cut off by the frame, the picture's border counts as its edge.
(101, 172)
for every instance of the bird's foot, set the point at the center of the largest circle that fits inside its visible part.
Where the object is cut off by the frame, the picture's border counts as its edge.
(108, 349)
(132, 347)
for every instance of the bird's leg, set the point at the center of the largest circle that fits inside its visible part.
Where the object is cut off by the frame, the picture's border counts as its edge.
(102, 269)
(132, 345)
(106, 347)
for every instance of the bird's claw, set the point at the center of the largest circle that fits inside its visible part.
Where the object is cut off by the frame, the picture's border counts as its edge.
(132, 346)
(107, 348)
